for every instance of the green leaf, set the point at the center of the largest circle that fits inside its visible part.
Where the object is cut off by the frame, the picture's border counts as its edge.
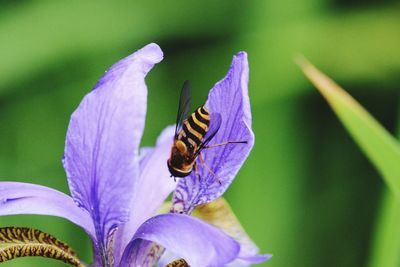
(18, 242)
(381, 147)
(386, 240)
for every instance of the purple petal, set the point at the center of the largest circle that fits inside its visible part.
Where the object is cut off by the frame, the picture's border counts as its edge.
(151, 189)
(101, 150)
(167, 257)
(229, 97)
(199, 243)
(220, 214)
(244, 261)
(23, 198)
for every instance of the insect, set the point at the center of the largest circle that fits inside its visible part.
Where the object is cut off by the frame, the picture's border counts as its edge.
(193, 132)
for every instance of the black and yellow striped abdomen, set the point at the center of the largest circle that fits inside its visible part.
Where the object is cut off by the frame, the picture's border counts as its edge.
(195, 128)
(187, 143)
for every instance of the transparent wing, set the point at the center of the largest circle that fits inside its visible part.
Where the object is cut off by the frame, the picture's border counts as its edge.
(215, 123)
(185, 106)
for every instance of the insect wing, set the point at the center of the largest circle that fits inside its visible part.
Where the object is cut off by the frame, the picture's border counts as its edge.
(184, 109)
(215, 123)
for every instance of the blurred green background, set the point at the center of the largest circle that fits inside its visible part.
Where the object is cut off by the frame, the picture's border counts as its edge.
(306, 194)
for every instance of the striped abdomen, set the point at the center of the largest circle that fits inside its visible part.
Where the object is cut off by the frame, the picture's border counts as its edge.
(186, 144)
(194, 128)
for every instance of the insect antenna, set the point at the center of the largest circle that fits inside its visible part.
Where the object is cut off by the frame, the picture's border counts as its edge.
(226, 143)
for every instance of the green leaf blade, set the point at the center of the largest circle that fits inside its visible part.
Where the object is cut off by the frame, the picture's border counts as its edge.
(381, 148)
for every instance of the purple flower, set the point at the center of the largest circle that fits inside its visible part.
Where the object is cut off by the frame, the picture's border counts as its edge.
(116, 188)
(229, 97)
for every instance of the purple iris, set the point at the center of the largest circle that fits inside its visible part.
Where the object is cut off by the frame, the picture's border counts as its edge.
(230, 99)
(116, 188)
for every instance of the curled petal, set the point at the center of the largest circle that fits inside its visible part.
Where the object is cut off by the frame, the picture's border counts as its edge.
(220, 214)
(230, 99)
(23, 198)
(199, 243)
(151, 189)
(101, 150)
(167, 257)
(244, 261)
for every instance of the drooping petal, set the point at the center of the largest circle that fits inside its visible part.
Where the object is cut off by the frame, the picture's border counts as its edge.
(220, 214)
(23, 198)
(242, 261)
(199, 243)
(151, 189)
(101, 150)
(230, 99)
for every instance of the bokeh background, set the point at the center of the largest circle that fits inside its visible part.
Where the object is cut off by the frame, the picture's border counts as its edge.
(306, 193)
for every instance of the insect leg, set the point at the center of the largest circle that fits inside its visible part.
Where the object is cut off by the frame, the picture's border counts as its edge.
(226, 143)
(196, 170)
(208, 168)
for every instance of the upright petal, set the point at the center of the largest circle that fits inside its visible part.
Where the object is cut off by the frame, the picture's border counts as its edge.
(101, 150)
(199, 243)
(230, 99)
(151, 189)
(24, 198)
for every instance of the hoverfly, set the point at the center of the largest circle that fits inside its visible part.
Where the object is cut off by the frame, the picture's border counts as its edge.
(193, 132)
